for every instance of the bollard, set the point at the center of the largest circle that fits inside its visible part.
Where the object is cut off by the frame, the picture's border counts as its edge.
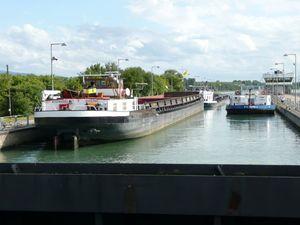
(16, 121)
(55, 142)
(75, 142)
(27, 120)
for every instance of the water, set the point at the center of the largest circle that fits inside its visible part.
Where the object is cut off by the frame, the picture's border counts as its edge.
(209, 137)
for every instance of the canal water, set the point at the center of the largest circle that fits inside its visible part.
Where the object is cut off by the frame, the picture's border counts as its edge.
(208, 137)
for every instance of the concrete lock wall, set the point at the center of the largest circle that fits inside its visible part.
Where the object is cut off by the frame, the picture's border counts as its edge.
(18, 136)
(290, 114)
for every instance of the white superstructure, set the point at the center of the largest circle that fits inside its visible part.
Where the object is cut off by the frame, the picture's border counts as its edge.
(96, 104)
(254, 99)
(103, 94)
(208, 96)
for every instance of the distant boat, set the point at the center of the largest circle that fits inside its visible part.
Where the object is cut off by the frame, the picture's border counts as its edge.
(209, 101)
(250, 103)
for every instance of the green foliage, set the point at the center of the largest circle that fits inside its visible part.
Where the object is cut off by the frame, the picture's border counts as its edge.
(138, 80)
(174, 80)
(160, 85)
(22, 103)
(170, 80)
(26, 90)
(111, 66)
(3, 104)
(224, 86)
(189, 82)
(98, 69)
(74, 83)
(95, 69)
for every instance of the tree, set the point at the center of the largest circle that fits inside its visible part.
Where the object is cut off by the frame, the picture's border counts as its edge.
(160, 85)
(134, 75)
(21, 104)
(74, 83)
(95, 69)
(188, 82)
(98, 69)
(174, 80)
(111, 66)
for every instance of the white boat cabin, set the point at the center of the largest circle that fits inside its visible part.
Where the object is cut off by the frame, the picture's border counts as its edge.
(253, 99)
(101, 93)
(208, 96)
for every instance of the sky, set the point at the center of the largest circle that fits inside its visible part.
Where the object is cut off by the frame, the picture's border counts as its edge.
(212, 39)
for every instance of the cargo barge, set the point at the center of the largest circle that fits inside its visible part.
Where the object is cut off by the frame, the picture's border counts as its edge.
(104, 111)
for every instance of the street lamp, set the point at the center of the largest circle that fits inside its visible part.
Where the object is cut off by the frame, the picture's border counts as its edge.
(281, 63)
(295, 64)
(9, 92)
(273, 76)
(153, 67)
(121, 60)
(52, 58)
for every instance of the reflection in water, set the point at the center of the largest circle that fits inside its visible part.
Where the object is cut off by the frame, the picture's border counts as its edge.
(249, 122)
(209, 137)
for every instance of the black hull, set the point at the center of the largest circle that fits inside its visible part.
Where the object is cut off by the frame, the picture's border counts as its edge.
(92, 130)
(215, 105)
(210, 106)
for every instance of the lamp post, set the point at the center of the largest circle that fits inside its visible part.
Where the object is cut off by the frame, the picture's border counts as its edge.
(273, 76)
(121, 60)
(52, 58)
(9, 92)
(157, 67)
(295, 64)
(281, 63)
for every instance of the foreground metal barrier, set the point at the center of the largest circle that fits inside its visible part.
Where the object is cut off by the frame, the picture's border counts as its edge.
(150, 194)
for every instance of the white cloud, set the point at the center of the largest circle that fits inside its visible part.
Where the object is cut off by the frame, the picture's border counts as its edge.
(228, 39)
(241, 37)
(247, 40)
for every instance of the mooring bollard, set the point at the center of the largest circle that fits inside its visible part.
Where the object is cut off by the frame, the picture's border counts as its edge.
(75, 142)
(27, 120)
(55, 142)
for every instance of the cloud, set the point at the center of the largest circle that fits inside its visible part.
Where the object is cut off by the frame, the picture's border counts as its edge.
(224, 40)
(243, 37)
(247, 40)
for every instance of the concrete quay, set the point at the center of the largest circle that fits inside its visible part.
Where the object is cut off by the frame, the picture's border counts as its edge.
(287, 109)
(17, 136)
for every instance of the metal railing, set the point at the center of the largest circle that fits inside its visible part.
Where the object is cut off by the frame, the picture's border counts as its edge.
(16, 121)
